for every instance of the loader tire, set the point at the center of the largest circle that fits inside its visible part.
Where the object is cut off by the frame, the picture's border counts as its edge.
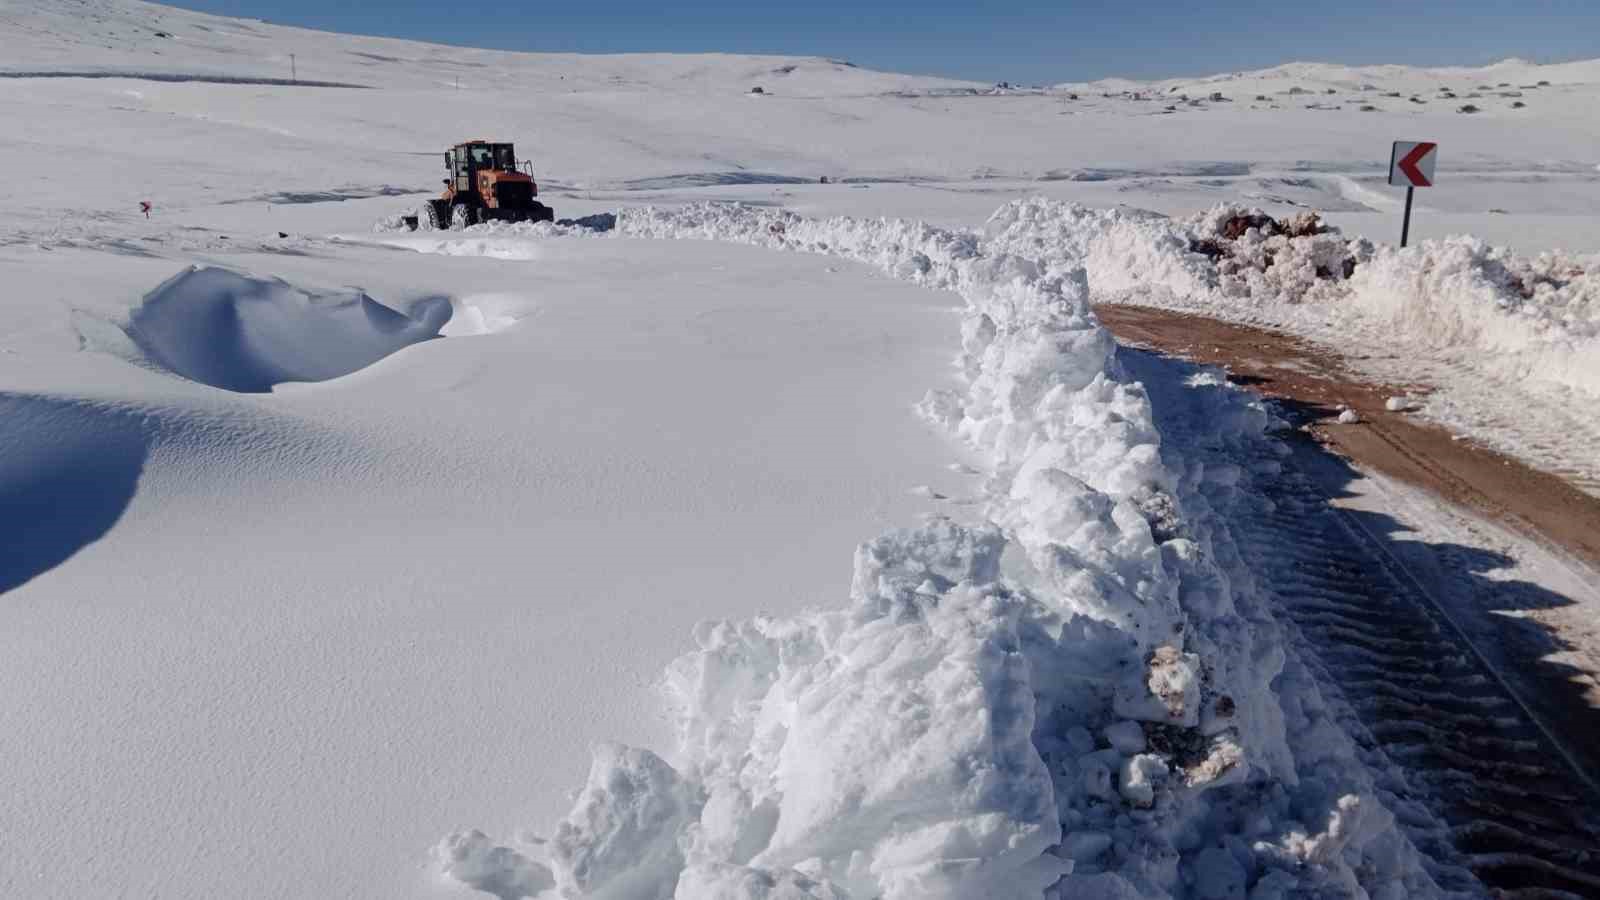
(433, 216)
(462, 215)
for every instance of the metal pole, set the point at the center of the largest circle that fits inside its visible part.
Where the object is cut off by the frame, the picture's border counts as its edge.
(294, 73)
(1405, 226)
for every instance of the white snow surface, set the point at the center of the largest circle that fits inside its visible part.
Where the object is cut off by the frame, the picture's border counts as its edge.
(325, 551)
(333, 622)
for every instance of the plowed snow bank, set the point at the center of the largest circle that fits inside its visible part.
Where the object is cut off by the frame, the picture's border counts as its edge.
(1079, 688)
(1531, 321)
(247, 334)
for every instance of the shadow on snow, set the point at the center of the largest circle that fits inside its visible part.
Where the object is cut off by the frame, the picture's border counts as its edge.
(67, 471)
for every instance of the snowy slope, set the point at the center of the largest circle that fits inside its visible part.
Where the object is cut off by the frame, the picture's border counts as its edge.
(324, 549)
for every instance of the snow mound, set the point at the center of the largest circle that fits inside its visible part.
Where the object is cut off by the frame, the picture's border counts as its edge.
(1524, 319)
(245, 334)
(1121, 250)
(1063, 700)
(1532, 322)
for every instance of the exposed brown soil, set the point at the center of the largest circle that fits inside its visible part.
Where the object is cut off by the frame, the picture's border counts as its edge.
(1537, 504)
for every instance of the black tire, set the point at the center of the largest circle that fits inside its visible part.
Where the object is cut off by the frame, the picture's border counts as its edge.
(463, 215)
(541, 213)
(434, 216)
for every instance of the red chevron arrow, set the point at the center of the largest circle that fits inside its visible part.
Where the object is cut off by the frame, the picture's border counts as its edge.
(1408, 165)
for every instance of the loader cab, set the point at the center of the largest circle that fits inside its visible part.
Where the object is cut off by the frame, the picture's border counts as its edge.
(464, 160)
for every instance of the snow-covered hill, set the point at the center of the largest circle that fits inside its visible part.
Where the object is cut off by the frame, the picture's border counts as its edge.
(324, 551)
(1507, 78)
(129, 36)
(621, 121)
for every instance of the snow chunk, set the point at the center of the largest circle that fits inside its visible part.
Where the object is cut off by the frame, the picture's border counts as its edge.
(1126, 737)
(1140, 777)
(720, 881)
(620, 840)
(1354, 820)
(1349, 417)
(1169, 691)
(472, 859)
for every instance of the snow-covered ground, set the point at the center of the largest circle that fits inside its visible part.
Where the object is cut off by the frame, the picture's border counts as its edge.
(327, 544)
(389, 596)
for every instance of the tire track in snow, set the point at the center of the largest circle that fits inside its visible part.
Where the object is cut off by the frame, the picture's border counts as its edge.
(1515, 804)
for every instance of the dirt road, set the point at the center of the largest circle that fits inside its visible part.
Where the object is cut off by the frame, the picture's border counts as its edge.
(1316, 383)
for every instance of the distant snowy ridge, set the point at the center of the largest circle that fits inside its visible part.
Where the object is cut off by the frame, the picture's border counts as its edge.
(132, 38)
(1039, 706)
(1510, 72)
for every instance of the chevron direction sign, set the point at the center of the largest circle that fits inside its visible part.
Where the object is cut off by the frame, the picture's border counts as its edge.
(1411, 166)
(1411, 163)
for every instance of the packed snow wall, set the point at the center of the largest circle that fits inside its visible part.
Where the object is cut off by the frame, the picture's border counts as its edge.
(1071, 697)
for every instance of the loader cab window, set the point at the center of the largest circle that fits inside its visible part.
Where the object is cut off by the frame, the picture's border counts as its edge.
(503, 157)
(482, 157)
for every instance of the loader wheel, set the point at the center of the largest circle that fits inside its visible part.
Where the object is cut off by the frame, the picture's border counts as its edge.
(462, 216)
(431, 217)
(541, 213)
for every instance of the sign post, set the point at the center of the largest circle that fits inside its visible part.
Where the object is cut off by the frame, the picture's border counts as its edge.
(1411, 164)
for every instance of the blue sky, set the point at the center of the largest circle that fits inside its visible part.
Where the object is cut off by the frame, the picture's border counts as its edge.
(1022, 41)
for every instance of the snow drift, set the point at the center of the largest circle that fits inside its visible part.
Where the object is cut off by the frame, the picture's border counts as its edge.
(1064, 700)
(246, 334)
